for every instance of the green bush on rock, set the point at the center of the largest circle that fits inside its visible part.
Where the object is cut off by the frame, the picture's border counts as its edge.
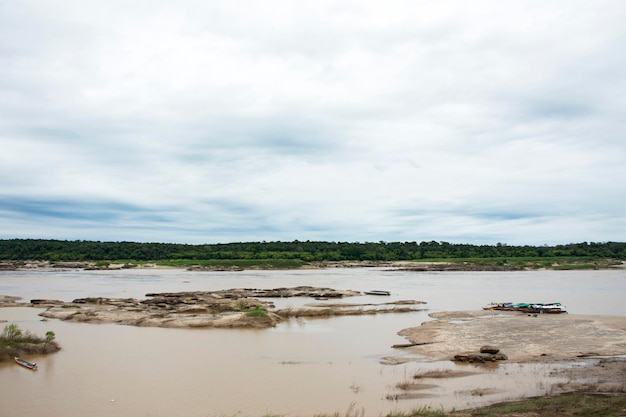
(16, 342)
(256, 311)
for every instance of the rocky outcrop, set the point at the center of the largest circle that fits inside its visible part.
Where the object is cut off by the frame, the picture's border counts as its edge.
(70, 265)
(108, 266)
(10, 301)
(489, 349)
(239, 307)
(236, 293)
(523, 338)
(486, 354)
(215, 268)
(8, 266)
(25, 349)
(45, 302)
(479, 357)
(458, 266)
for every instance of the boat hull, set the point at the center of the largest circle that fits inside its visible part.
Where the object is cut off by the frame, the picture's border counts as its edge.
(377, 292)
(29, 365)
(536, 308)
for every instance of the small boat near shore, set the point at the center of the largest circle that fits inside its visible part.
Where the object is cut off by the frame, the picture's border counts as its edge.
(26, 364)
(377, 292)
(534, 308)
(551, 308)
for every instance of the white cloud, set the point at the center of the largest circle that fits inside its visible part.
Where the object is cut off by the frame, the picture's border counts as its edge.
(221, 121)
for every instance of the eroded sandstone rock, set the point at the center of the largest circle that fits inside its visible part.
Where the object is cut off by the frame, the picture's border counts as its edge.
(479, 357)
(489, 349)
(240, 307)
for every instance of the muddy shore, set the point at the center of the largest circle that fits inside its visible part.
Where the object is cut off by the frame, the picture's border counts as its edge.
(415, 266)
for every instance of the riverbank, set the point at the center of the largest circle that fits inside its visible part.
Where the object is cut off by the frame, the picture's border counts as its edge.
(572, 404)
(234, 265)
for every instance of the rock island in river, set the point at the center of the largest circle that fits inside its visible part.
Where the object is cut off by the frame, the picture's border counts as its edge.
(234, 308)
(522, 337)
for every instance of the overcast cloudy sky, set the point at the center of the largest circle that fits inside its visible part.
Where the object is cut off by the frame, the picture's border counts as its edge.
(225, 121)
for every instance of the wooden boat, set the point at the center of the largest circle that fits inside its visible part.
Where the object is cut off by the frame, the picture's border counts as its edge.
(377, 292)
(548, 308)
(534, 308)
(26, 364)
(500, 306)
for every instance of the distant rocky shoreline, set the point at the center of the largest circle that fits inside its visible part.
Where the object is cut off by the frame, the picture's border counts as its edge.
(416, 266)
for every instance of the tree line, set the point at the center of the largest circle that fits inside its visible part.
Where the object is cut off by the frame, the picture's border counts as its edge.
(308, 251)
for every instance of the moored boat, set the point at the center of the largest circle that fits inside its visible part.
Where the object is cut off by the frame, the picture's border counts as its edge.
(377, 292)
(26, 364)
(549, 308)
(535, 308)
(500, 306)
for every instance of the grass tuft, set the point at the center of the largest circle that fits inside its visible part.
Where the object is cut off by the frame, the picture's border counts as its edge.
(256, 311)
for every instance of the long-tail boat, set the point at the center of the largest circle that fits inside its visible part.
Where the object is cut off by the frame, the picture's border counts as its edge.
(536, 308)
(26, 364)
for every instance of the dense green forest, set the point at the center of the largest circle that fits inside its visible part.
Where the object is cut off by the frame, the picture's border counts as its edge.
(78, 250)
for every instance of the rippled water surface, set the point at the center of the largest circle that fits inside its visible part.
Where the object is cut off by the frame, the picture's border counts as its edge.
(299, 368)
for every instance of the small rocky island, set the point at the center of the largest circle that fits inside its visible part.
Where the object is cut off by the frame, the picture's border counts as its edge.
(233, 308)
(457, 335)
(15, 342)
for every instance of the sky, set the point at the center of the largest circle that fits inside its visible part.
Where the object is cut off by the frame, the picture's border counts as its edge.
(216, 121)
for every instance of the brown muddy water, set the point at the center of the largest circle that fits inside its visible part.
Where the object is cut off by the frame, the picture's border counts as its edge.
(300, 368)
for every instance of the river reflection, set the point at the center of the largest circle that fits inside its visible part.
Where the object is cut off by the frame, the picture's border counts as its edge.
(301, 367)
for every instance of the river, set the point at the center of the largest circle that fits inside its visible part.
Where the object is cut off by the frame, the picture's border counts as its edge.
(301, 367)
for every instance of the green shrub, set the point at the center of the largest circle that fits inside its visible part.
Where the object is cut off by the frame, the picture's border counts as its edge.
(256, 311)
(11, 332)
(241, 305)
(13, 335)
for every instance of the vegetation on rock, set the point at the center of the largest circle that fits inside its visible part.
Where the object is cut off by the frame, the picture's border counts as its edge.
(256, 311)
(16, 342)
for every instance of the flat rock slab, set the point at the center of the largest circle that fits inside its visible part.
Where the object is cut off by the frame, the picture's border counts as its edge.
(521, 337)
